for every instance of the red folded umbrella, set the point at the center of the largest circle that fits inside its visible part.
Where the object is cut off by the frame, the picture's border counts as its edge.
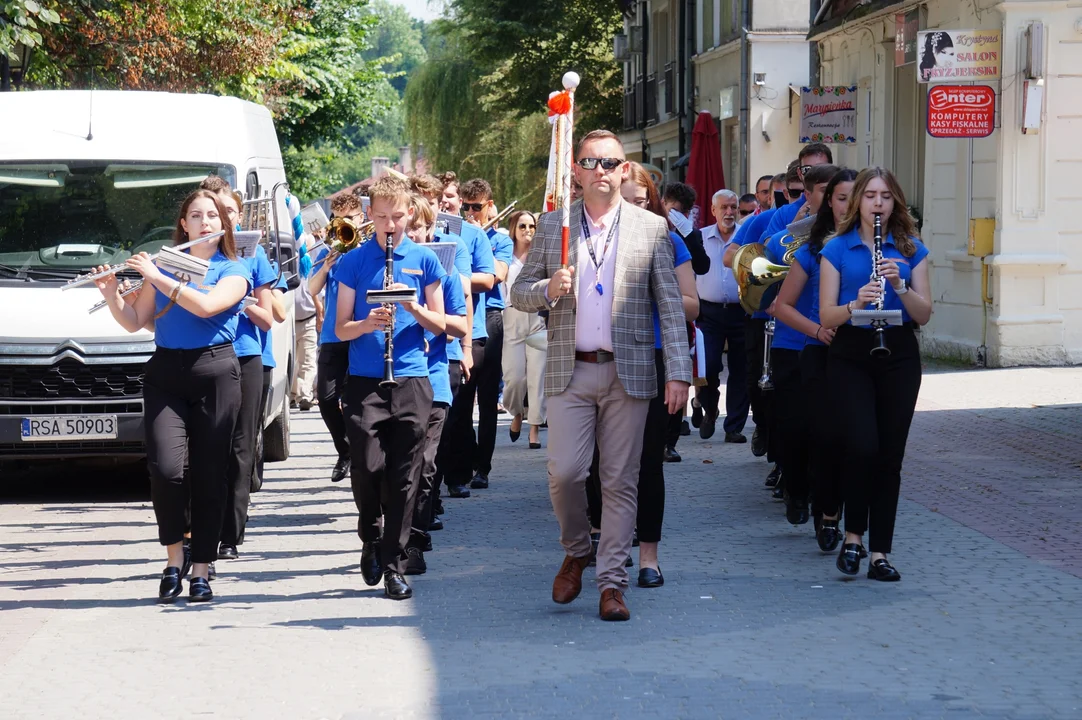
(705, 171)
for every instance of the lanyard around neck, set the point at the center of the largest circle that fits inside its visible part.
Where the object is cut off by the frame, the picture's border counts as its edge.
(586, 235)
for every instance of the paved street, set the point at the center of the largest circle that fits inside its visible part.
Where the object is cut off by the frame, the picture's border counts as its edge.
(753, 621)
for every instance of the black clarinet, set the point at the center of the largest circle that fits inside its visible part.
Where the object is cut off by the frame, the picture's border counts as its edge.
(880, 348)
(388, 380)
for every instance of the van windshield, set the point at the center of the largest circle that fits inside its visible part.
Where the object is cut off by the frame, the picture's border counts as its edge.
(60, 218)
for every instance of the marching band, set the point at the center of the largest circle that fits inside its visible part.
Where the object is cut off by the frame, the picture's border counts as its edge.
(816, 303)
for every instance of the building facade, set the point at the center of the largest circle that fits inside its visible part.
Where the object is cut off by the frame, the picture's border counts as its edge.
(685, 56)
(1018, 300)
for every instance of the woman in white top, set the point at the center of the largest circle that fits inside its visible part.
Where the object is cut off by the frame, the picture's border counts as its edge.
(525, 345)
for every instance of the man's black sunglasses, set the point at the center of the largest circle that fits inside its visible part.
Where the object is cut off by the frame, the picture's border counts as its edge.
(606, 163)
(473, 207)
(794, 193)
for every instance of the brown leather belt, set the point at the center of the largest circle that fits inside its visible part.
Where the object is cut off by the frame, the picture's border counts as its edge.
(599, 357)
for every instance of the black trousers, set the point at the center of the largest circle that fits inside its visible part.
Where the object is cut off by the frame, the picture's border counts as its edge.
(386, 438)
(651, 507)
(458, 446)
(428, 487)
(454, 371)
(723, 324)
(672, 432)
(824, 451)
(792, 423)
(488, 393)
(876, 399)
(332, 367)
(191, 399)
(242, 459)
(762, 403)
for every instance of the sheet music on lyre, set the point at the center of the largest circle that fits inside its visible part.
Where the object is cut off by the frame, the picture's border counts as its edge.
(445, 251)
(181, 263)
(247, 241)
(449, 223)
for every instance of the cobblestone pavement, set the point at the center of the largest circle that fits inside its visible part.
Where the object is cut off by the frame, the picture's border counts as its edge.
(753, 622)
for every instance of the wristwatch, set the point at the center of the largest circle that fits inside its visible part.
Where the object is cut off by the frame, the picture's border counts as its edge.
(904, 290)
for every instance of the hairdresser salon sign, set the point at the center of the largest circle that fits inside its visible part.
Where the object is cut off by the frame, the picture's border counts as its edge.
(828, 114)
(958, 55)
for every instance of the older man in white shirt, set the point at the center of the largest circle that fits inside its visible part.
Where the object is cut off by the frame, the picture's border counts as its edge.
(721, 320)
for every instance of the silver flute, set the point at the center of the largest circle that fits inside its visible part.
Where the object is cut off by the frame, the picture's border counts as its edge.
(92, 277)
(135, 287)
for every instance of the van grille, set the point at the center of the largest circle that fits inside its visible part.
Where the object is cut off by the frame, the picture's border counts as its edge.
(69, 379)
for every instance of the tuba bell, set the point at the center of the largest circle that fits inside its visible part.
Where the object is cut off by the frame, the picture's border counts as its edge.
(755, 274)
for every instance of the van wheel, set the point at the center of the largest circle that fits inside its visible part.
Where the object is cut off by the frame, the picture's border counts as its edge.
(257, 467)
(276, 437)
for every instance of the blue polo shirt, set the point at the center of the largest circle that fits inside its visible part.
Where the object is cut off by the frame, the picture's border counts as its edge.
(752, 232)
(784, 215)
(853, 260)
(480, 251)
(503, 249)
(681, 255)
(785, 337)
(464, 268)
(248, 342)
(265, 337)
(808, 302)
(454, 303)
(330, 298)
(179, 329)
(362, 269)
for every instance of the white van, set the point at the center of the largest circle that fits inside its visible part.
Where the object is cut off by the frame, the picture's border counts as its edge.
(87, 178)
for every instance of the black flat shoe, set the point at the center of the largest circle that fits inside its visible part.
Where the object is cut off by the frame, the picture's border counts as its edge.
(515, 434)
(212, 574)
(370, 563)
(797, 513)
(778, 493)
(849, 559)
(685, 429)
(735, 437)
(436, 524)
(396, 587)
(650, 578)
(535, 446)
(428, 544)
(171, 585)
(828, 536)
(187, 566)
(415, 562)
(883, 571)
(671, 455)
(227, 552)
(774, 476)
(199, 590)
(458, 491)
(341, 469)
(696, 414)
(479, 482)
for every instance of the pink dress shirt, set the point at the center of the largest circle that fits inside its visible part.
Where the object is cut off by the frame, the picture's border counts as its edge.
(593, 320)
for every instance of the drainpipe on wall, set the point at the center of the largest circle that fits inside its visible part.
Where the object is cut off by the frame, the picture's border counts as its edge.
(687, 94)
(813, 47)
(745, 91)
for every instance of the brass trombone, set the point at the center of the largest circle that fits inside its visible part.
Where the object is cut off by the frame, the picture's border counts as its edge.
(343, 235)
(496, 220)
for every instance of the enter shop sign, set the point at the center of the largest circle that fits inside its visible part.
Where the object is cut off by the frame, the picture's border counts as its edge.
(961, 111)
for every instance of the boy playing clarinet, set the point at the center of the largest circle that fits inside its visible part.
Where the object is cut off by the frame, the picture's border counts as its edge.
(386, 426)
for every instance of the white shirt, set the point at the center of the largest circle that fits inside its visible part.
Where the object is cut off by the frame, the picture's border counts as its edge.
(593, 321)
(718, 285)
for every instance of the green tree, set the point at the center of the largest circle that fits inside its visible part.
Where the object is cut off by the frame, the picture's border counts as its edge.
(21, 22)
(397, 42)
(533, 44)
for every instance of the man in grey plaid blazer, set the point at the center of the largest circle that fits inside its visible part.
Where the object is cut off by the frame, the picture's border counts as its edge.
(600, 373)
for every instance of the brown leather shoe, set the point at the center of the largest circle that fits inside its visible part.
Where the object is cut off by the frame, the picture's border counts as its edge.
(612, 605)
(568, 583)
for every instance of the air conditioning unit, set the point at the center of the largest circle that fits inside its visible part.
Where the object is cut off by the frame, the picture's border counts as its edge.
(636, 40)
(621, 51)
